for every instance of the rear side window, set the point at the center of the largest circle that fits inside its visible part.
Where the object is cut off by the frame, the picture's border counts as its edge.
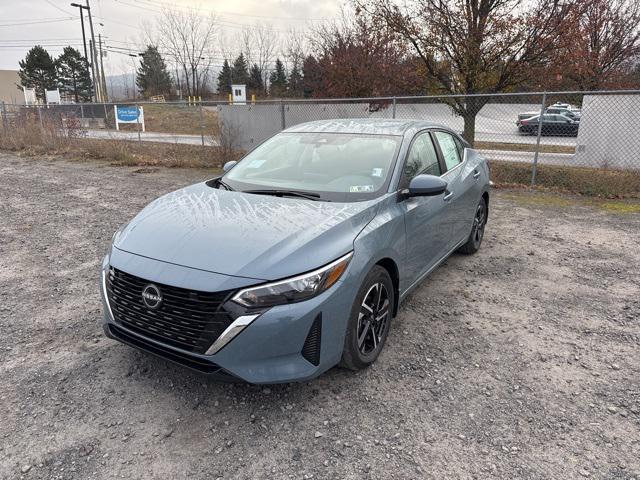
(460, 146)
(449, 149)
(422, 158)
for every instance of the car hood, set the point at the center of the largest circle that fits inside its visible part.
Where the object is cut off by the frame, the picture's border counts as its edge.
(245, 235)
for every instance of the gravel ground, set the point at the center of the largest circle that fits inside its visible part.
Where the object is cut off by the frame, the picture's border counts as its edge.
(518, 362)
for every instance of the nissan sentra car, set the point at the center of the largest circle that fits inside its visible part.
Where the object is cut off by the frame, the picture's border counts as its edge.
(296, 259)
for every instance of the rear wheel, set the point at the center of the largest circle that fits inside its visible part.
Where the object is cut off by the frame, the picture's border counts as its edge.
(477, 230)
(369, 320)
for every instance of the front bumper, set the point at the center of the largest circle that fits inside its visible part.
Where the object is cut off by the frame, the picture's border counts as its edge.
(268, 350)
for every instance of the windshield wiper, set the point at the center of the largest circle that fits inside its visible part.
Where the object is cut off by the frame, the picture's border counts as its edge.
(220, 182)
(286, 193)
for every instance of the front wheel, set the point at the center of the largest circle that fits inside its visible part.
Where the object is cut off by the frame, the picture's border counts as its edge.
(477, 230)
(369, 320)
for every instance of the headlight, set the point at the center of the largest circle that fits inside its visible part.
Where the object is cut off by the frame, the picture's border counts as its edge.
(294, 289)
(117, 233)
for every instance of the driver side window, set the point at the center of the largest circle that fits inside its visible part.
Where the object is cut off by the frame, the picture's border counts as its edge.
(422, 158)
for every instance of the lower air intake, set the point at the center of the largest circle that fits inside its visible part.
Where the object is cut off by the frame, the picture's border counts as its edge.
(311, 348)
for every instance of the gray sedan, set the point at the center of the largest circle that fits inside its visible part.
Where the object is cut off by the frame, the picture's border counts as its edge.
(295, 260)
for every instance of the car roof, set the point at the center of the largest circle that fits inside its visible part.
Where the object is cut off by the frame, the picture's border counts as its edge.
(369, 126)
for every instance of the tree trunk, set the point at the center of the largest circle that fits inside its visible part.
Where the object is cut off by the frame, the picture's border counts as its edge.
(472, 106)
(469, 133)
(75, 88)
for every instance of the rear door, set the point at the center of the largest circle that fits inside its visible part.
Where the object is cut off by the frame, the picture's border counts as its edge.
(427, 219)
(462, 185)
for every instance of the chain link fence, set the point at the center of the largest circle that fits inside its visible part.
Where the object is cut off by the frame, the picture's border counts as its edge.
(586, 142)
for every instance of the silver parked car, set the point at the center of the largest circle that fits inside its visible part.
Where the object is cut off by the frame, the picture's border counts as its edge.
(296, 259)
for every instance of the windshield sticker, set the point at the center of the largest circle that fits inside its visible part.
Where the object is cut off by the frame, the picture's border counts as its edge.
(256, 163)
(360, 188)
(377, 172)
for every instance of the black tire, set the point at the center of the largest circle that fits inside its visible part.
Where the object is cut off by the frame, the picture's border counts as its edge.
(367, 329)
(477, 230)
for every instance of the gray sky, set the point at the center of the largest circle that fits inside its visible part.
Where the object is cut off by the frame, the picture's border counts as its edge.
(55, 24)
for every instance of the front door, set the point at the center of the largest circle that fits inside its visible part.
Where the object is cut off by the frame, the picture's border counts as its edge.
(427, 225)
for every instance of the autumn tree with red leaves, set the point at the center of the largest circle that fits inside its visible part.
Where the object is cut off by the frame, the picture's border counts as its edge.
(474, 46)
(360, 57)
(599, 48)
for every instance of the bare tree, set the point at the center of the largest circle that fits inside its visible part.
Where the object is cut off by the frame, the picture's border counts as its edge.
(295, 46)
(227, 47)
(474, 46)
(188, 37)
(260, 43)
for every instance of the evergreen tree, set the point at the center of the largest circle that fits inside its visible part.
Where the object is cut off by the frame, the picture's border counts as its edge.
(278, 80)
(295, 82)
(311, 77)
(255, 78)
(38, 70)
(152, 77)
(225, 79)
(73, 75)
(239, 73)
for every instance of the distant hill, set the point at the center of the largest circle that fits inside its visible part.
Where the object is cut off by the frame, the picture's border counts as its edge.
(121, 87)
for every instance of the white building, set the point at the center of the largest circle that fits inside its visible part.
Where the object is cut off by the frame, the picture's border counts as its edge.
(239, 94)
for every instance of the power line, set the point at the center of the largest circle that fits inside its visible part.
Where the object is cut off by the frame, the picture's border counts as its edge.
(220, 12)
(226, 23)
(36, 22)
(41, 39)
(57, 7)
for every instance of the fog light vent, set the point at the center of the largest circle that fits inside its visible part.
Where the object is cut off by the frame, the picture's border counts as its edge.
(311, 348)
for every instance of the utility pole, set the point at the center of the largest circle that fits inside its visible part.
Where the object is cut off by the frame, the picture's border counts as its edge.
(96, 91)
(102, 77)
(94, 55)
(84, 44)
(178, 85)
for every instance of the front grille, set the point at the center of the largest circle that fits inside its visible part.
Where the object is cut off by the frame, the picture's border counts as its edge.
(186, 319)
(184, 359)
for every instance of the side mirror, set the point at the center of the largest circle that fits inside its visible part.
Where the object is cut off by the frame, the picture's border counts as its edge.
(426, 186)
(229, 165)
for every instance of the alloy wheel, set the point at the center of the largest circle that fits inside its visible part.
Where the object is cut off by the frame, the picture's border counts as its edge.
(373, 318)
(478, 224)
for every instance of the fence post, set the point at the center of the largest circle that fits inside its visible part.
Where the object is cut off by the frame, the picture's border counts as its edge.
(282, 117)
(82, 112)
(5, 122)
(393, 112)
(138, 122)
(40, 116)
(537, 150)
(104, 107)
(201, 124)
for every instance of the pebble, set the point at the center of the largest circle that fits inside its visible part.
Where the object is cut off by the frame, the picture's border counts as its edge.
(583, 472)
(317, 434)
(615, 366)
(612, 409)
(25, 468)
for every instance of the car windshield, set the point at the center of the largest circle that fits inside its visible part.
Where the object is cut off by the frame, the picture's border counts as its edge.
(328, 166)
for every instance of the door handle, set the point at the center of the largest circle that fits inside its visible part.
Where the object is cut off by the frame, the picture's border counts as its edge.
(447, 196)
(476, 174)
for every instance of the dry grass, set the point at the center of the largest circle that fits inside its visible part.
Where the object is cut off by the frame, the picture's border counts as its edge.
(178, 119)
(524, 147)
(28, 137)
(149, 153)
(585, 181)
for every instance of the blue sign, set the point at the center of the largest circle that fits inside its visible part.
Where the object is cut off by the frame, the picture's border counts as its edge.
(127, 113)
